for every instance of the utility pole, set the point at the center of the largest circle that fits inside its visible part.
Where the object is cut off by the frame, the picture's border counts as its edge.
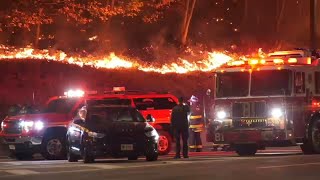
(313, 24)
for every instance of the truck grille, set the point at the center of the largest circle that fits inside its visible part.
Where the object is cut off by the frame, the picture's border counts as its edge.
(12, 127)
(249, 123)
(249, 114)
(249, 109)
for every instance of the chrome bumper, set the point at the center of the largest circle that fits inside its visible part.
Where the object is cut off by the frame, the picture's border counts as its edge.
(22, 140)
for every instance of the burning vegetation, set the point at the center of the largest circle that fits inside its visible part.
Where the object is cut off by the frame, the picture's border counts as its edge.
(112, 61)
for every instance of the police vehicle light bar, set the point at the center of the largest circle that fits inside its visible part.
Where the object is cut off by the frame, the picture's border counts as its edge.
(74, 93)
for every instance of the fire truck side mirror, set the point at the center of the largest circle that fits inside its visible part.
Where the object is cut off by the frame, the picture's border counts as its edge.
(208, 93)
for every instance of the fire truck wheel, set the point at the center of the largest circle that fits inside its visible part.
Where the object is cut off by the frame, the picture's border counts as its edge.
(54, 147)
(165, 143)
(312, 144)
(315, 136)
(246, 149)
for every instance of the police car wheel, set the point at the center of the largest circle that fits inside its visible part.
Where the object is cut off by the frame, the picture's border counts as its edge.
(152, 157)
(87, 157)
(165, 142)
(71, 157)
(133, 157)
(54, 147)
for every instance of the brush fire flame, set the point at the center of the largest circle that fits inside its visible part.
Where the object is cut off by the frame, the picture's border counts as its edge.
(112, 61)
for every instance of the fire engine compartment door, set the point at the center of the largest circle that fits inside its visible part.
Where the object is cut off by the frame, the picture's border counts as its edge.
(299, 82)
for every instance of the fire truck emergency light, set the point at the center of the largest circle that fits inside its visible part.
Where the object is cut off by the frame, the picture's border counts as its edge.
(74, 93)
(272, 61)
(117, 89)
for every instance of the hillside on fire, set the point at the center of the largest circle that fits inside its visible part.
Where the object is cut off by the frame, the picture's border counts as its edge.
(35, 81)
(49, 46)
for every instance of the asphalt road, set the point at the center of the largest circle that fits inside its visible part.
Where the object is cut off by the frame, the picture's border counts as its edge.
(270, 164)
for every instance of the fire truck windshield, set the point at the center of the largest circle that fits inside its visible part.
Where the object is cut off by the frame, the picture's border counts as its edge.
(60, 106)
(232, 84)
(263, 83)
(100, 118)
(270, 83)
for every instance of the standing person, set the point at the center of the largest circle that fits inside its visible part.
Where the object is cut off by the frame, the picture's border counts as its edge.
(196, 125)
(179, 123)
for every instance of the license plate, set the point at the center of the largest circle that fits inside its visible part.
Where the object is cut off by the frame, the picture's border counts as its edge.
(126, 147)
(12, 147)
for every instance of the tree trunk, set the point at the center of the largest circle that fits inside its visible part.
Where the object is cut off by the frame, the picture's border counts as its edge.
(187, 25)
(38, 31)
(281, 15)
(245, 12)
(185, 18)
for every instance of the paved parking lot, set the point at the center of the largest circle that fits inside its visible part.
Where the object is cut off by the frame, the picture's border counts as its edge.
(205, 165)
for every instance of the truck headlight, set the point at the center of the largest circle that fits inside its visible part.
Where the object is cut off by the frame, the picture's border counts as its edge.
(276, 112)
(151, 132)
(221, 115)
(31, 125)
(38, 125)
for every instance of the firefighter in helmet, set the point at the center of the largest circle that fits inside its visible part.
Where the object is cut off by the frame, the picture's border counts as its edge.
(196, 125)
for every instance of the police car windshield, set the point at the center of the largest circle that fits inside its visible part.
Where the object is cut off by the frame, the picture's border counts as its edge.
(61, 106)
(232, 84)
(104, 115)
(154, 103)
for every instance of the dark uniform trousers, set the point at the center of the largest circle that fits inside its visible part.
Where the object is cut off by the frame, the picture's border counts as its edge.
(195, 129)
(184, 135)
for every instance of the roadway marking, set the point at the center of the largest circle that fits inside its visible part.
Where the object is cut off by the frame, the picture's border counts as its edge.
(289, 165)
(101, 166)
(21, 172)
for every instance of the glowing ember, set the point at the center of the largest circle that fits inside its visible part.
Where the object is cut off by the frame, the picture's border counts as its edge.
(112, 61)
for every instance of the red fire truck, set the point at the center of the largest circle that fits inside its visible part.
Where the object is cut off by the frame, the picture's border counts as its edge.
(268, 101)
(45, 132)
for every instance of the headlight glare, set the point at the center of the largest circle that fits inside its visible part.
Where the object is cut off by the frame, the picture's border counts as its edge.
(38, 125)
(31, 125)
(221, 114)
(151, 132)
(276, 113)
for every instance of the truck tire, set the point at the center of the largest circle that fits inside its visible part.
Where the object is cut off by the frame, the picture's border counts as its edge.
(87, 157)
(312, 144)
(246, 149)
(21, 156)
(165, 143)
(54, 147)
